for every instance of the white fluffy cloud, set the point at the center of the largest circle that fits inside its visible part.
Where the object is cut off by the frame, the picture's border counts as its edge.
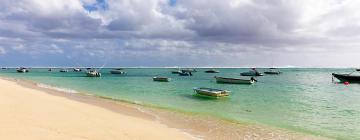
(187, 32)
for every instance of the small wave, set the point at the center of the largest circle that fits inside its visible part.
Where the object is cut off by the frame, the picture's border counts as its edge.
(56, 88)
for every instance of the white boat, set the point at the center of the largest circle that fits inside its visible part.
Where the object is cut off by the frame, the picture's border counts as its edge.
(76, 69)
(117, 71)
(252, 72)
(162, 79)
(64, 70)
(93, 73)
(211, 92)
(234, 80)
(22, 70)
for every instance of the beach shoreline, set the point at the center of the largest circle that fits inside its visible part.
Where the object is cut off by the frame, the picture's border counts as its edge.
(193, 126)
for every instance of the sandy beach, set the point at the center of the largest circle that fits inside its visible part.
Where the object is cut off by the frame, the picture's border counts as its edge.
(29, 111)
(32, 114)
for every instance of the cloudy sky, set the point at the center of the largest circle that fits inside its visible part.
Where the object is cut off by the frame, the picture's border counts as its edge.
(159, 33)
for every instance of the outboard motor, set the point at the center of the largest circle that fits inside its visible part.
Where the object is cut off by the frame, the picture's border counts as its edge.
(253, 79)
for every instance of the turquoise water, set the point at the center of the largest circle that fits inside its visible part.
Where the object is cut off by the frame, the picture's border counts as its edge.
(303, 100)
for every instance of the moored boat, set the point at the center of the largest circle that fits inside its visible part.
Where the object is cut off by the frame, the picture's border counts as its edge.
(212, 71)
(161, 79)
(273, 71)
(189, 70)
(76, 69)
(185, 73)
(252, 72)
(22, 70)
(93, 73)
(117, 71)
(64, 70)
(176, 71)
(211, 92)
(347, 77)
(234, 80)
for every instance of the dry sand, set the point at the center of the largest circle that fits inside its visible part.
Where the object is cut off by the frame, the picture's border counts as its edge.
(27, 113)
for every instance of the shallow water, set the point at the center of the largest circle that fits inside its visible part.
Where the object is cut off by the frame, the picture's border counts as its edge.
(303, 100)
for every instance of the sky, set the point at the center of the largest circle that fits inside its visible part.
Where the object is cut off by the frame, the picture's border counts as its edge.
(183, 33)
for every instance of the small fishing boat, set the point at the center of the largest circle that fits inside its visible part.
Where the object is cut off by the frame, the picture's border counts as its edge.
(347, 77)
(234, 80)
(185, 73)
(50, 69)
(212, 71)
(22, 70)
(211, 92)
(189, 70)
(64, 70)
(93, 73)
(162, 79)
(176, 71)
(117, 71)
(252, 72)
(273, 71)
(76, 69)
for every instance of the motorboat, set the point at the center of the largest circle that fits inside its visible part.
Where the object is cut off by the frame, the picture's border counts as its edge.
(161, 79)
(212, 71)
(22, 70)
(347, 77)
(64, 70)
(93, 73)
(185, 73)
(77, 69)
(252, 72)
(189, 70)
(273, 71)
(117, 71)
(234, 80)
(176, 71)
(211, 92)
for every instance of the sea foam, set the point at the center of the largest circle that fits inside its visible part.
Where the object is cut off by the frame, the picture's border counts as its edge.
(56, 88)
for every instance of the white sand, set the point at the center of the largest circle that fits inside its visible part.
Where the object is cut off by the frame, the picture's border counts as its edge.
(29, 114)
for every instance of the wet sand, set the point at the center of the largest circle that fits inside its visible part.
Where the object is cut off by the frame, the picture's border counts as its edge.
(188, 126)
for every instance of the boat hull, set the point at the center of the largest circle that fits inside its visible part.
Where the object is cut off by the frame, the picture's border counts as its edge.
(211, 92)
(347, 77)
(185, 74)
(22, 71)
(251, 74)
(93, 74)
(272, 72)
(161, 79)
(117, 72)
(212, 71)
(233, 80)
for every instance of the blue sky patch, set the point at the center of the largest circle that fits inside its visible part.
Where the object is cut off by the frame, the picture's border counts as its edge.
(99, 5)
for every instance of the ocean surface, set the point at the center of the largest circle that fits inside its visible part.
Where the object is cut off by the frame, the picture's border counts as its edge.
(299, 99)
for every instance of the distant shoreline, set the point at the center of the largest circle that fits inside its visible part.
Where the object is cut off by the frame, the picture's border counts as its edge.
(280, 67)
